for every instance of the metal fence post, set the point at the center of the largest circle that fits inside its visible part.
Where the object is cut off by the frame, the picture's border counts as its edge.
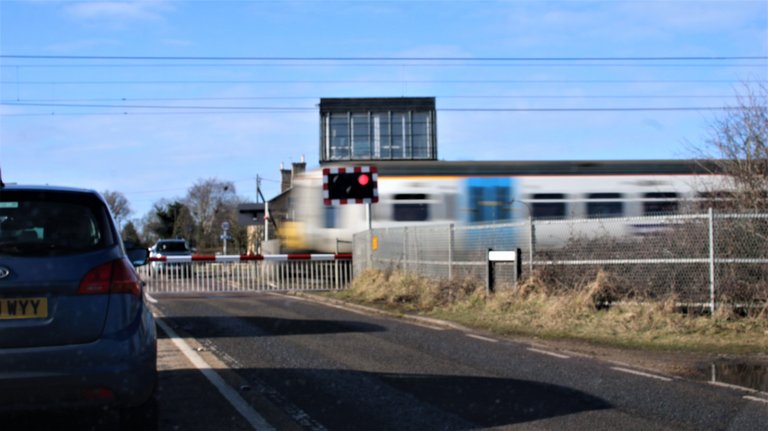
(711, 260)
(450, 251)
(405, 248)
(531, 243)
(490, 278)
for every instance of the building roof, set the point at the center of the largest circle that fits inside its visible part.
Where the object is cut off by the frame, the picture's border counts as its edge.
(523, 168)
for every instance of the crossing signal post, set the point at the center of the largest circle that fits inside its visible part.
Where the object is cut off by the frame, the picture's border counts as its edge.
(357, 185)
(352, 185)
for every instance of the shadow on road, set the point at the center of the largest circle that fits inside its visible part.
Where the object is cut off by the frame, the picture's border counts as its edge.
(248, 326)
(342, 400)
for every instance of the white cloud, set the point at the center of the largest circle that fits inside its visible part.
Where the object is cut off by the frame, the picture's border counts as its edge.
(132, 10)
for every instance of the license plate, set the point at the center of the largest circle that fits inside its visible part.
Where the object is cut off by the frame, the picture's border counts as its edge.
(23, 308)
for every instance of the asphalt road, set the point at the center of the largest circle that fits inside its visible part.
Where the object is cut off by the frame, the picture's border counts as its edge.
(304, 365)
(269, 361)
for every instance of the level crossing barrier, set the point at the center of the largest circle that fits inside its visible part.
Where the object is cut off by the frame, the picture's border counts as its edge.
(246, 273)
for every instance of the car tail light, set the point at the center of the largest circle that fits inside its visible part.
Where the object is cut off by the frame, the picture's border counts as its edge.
(98, 394)
(116, 276)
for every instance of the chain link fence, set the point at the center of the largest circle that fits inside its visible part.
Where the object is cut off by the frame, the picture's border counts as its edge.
(700, 259)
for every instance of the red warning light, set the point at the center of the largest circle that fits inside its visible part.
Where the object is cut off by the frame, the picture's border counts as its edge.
(354, 185)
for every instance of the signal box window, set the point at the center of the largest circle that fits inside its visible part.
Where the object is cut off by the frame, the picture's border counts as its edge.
(410, 207)
(338, 134)
(660, 203)
(377, 129)
(604, 205)
(549, 209)
(361, 137)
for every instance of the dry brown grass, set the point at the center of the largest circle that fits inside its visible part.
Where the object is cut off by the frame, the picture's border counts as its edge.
(580, 312)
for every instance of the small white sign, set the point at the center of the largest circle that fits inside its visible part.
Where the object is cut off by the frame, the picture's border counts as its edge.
(502, 256)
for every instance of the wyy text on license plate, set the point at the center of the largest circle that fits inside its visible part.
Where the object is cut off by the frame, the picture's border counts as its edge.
(23, 308)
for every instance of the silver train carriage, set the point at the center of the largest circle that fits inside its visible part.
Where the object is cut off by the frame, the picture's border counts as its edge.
(420, 193)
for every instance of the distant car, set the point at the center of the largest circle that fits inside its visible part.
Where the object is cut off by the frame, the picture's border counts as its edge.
(75, 330)
(168, 248)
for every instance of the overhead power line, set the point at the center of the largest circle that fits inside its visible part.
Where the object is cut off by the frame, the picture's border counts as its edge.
(382, 81)
(283, 109)
(379, 65)
(315, 98)
(387, 59)
(118, 106)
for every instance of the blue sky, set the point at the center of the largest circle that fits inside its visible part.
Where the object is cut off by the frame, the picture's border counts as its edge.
(139, 116)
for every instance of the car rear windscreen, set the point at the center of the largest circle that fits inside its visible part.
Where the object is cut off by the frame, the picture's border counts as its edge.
(45, 223)
(174, 246)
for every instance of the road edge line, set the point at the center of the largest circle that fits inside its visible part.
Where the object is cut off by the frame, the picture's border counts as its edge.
(256, 421)
(642, 374)
(548, 353)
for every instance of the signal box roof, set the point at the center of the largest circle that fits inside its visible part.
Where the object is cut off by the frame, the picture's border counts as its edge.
(377, 104)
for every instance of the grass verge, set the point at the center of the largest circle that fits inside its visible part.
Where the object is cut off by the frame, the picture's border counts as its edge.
(532, 309)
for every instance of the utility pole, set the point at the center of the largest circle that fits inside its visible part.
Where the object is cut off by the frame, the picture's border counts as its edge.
(266, 207)
(258, 187)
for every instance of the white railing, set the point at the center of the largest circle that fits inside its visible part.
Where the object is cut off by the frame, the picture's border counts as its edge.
(241, 274)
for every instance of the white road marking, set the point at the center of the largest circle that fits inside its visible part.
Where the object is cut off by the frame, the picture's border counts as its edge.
(480, 337)
(758, 399)
(730, 386)
(151, 299)
(425, 325)
(254, 418)
(642, 374)
(545, 352)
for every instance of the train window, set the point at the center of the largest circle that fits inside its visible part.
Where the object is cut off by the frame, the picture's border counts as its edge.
(660, 203)
(549, 208)
(329, 216)
(408, 208)
(604, 205)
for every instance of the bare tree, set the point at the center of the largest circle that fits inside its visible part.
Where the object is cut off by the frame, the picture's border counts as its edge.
(738, 144)
(118, 204)
(131, 235)
(211, 202)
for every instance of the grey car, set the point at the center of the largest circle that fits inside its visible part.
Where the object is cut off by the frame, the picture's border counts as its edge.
(171, 248)
(75, 330)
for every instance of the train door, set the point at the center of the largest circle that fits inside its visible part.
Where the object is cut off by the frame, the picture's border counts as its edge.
(489, 199)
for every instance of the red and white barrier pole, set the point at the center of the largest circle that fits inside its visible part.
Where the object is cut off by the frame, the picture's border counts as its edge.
(256, 257)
